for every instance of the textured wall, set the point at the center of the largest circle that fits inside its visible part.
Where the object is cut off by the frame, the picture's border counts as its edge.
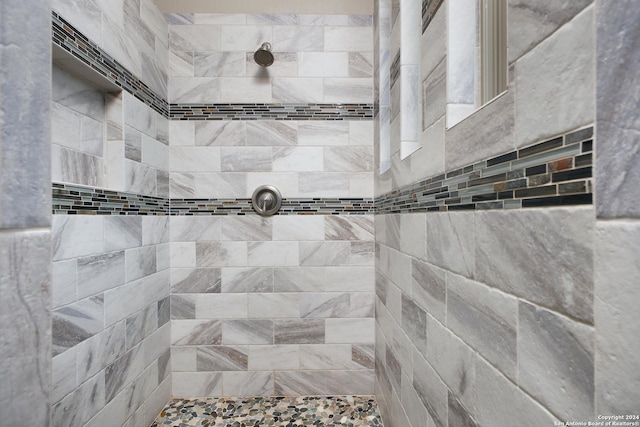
(487, 317)
(111, 330)
(25, 202)
(280, 305)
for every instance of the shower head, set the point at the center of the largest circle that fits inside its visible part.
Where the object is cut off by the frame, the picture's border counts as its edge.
(263, 56)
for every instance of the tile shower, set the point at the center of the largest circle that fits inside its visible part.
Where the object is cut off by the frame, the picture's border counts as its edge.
(487, 280)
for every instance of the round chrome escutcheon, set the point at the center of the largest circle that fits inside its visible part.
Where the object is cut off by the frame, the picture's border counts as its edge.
(266, 200)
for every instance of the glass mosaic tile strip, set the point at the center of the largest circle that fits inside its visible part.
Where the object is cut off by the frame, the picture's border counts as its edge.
(79, 200)
(553, 172)
(271, 111)
(429, 9)
(77, 44)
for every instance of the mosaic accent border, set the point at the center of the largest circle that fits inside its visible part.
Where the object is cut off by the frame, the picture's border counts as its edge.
(271, 111)
(67, 37)
(429, 9)
(554, 172)
(77, 44)
(78, 200)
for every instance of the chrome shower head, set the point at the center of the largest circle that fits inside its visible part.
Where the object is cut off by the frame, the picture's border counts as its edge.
(263, 56)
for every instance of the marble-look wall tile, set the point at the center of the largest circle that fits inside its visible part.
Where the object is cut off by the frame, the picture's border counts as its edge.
(247, 332)
(429, 288)
(140, 325)
(323, 64)
(124, 370)
(298, 227)
(195, 332)
(122, 301)
(354, 228)
(323, 133)
(357, 90)
(325, 356)
(77, 322)
(251, 279)
(221, 358)
(100, 272)
(298, 159)
(556, 361)
(484, 318)
(246, 228)
(616, 292)
(298, 90)
(221, 306)
(64, 279)
(324, 253)
(225, 132)
(545, 81)
(221, 254)
(494, 390)
(246, 159)
(299, 331)
(350, 382)
(300, 383)
(194, 37)
(414, 323)
(198, 280)
(140, 262)
(322, 305)
(272, 133)
(274, 305)
(299, 38)
(530, 271)
(81, 405)
(195, 159)
(192, 384)
(76, 168)
(63, 374)
(195, 90)
(217, 64)
(348, 159)
(451, 243)
(122, 232)
(248, 383)
(617, 121)
(349, 331)
(228, 185)
(273, 254)
(274, 357)
(434, 96)
(242, 90)
(431, 390)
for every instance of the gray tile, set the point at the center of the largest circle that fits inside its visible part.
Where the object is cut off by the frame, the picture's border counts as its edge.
(121, 372)
(77, 322)
(100, 272)
(300, 383)
(484, 318)
(78, 407)
(140, 262)
(617, 274)
(431, 390)
(429, 288)
(458, 415)
(320, 305)
(99, 351)
(247, 332)
(451, 241)
(257, 279)
(302, 331)
(434, 89)
(246, 228)
(221, 358)
(248, 383)
(122, 232)
(183, 307)
(414, 323)
(196, 280)
(196, 332)
(556, 361)
(350, 382)
(617, 155)
(549, 262)
(349, 227)
(324, 253)
(363, 356)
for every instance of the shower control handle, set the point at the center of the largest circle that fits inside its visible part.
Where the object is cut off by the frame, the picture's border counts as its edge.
(266, 200)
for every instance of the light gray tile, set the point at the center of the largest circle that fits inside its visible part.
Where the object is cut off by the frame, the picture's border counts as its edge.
(350, 382)
(64, 278)
(225, 132)
(322, 133)
(349, 331)
(500, 401)
(99, 351)
(247, 332)
(221, 254)
(273, 254)
(140, 325)
(218, 64)
(191, 384)
(248, 383)
(76, 236)
(451, 242)
(246, 228)
(273, 305)
(196, 280)
(238, 280)
(362, 304)
(298, 227)
(299, 279)
(221, 306)
(350, 227)
(195, 228)
(348, 159)
(484, 318)
(274, 357)
(556, 361)
(545, 94)
(183, 307)
(63, 374)
(556, 272)
(300, 383)
(246, 159)
(429, 288)
(434, 100)
(617, 121)
(77, 322)
(431, 390)
(221, 358)
(196, 332)
(140, 262)
(123, 301)
(78, 407)
(299, 38)
(458, 415)
(299, 331)
(321, 305)
(272, 133)
(414, 323)
(99, 273)
(617, 274)
(363, 356)
(121, 372)
(325, 356)
(324, 253)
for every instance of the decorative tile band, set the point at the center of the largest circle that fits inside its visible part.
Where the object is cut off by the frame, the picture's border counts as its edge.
(271, 111)
(77, 44)
(67, 37)
(429, 9)
(78, 200)
(395, 69)
(554, 172)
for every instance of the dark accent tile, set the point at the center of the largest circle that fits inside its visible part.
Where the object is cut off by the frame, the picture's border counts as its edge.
(539, 148)
(505, 195)
(572, 174)
(484, 197)
(577, 199)
(503, 158)
(560, 165)
(537, 191)
(584, 160)
(488, 179)
(573, 187)
(587, 146)
(537, 170)
(579, 135)
(468, 207)
(537, 180)
(515, 174)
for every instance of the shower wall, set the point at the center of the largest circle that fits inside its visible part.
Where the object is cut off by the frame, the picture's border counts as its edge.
(111, 330)
(25, 220)
(485, 296)
(281, 305)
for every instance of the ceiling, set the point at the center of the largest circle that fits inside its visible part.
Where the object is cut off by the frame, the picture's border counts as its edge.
(319, 7)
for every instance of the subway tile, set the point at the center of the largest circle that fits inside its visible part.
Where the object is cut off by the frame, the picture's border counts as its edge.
(196, 280)
(183, 307)
(247, 332)
(414, 323)
(349, 331)
(451, 242)
(429, 289)
(77, 322)
(221, 254)
(183, 359)
(363, 356)
(298, 227)
(221, 306)
(352, 227)
(221, 358)
(140, 262)
(246, 228)
(362, 304)
(323, 305)
(64, 278)
(431, 390)
(253, 279)
(272, 133)
(556, 361)
(196, 332)
(298, 159)
(299, 331)
(140, 325)
(273, 254)
(350, 382)
(274, 357)
(187, 229)
(484, 318)
(248, 383)
(325, 356)
(324, 253)
(63, 374)
(191, 384)
(273, 305)
(99, 273)
(300, 383)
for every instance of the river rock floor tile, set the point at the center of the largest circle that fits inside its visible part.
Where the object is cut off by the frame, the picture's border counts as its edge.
(324, 411)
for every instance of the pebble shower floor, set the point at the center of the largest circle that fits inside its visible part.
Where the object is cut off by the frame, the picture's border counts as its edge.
(355, 411)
